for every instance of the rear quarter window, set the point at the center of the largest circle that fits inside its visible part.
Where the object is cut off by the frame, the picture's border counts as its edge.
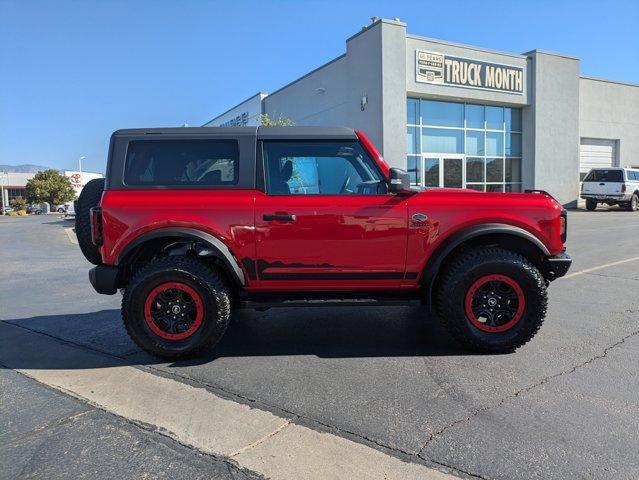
(604, 176)
(182, 162)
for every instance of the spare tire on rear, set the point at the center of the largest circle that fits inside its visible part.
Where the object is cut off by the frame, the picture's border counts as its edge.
(89, 198)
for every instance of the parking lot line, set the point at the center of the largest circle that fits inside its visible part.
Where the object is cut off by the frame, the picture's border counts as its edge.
(599, 267)
(71, 234)
(256, 439)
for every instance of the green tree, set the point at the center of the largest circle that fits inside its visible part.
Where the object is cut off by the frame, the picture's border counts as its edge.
(19, 203)
(50, 186)
(280, 121)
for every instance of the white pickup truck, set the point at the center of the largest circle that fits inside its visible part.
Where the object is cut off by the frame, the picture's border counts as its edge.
(612, 186)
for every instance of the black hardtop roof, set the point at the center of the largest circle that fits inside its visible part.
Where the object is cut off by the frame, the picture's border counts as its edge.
(270, 133)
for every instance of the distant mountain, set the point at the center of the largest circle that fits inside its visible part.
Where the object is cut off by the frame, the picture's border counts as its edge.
(26, 168)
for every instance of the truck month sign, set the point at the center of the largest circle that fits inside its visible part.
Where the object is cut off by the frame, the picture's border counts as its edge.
(432, 67)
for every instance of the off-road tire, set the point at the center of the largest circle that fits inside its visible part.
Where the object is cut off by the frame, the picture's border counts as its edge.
(89, 198)
(633, 204)
(207, 283)
(591, 204)
(467, 268)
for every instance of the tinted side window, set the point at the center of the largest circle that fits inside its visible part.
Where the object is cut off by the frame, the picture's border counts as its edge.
(320, 168)
(182, 162)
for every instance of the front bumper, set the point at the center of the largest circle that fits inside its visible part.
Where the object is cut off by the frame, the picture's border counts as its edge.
(104, 279)
(557, 265)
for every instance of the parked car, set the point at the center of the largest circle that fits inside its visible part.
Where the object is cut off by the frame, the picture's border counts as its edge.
(34, 209)
(194, 223)
(59, 208)
(6, 210)
(70, 209)
(612, 186)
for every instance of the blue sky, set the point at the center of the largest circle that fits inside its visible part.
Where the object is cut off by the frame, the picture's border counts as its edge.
(71, 72)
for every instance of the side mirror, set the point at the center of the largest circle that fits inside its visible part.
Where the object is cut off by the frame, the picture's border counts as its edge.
(399, 182)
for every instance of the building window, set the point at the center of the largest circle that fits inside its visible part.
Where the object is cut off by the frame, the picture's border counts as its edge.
(16, 192)
(485, 139)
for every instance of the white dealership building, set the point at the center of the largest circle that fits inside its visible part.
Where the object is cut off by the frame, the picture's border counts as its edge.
(14, 185)
(463, 116)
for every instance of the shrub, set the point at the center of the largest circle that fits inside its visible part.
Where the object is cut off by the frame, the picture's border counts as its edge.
(17, 213)
(18, 203)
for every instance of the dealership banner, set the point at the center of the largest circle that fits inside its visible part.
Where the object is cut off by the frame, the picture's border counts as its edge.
(437, 68)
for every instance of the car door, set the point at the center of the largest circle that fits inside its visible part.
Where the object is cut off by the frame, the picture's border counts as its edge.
(325, 221)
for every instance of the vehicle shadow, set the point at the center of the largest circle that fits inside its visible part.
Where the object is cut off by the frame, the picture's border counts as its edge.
(323, 332)
(65, 222)
(337, 332)
(601, 209)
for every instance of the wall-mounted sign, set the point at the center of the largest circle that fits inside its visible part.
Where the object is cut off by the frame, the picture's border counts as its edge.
(246, 113)
(240, 120)
(79, 179)
(437, 68)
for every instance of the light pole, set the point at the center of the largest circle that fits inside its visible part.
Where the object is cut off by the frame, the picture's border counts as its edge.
(80, 165)
(3, 175)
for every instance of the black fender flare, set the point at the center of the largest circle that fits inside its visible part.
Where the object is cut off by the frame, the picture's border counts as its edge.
(434, 263)
(218, 248)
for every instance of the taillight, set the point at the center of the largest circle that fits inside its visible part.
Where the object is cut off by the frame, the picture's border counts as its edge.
(623, 188)
(563, 228)
(95, 214)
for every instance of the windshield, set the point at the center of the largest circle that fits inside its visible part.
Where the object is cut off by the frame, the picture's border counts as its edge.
(604, 176)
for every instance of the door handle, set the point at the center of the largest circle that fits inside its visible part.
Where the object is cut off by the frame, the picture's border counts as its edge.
(279, 217)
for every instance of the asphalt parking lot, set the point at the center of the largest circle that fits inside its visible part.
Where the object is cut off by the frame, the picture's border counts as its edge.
(566, 405)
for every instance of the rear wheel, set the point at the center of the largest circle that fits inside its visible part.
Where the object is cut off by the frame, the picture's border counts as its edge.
(176, 307)
(591, 204)
(633, 204)
(492, 300)
(89, 197)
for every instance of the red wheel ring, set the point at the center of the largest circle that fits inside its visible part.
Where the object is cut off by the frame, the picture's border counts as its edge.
(173, 311)
(494, 303)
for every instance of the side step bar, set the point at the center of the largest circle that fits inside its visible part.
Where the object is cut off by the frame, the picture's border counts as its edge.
(347, 302)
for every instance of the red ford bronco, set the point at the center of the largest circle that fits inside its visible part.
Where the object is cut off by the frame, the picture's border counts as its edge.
(191, 223)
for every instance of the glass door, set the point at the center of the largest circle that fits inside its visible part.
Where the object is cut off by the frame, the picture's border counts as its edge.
(443, 171)
(431, 172)
(452, 172)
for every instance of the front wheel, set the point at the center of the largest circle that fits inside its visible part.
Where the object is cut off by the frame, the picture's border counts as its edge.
(591, 204)
(492, 300)
(175, 307)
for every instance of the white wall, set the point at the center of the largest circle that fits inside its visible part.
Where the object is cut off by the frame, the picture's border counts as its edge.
(610, 110)
(553, 125)
(318, 98)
